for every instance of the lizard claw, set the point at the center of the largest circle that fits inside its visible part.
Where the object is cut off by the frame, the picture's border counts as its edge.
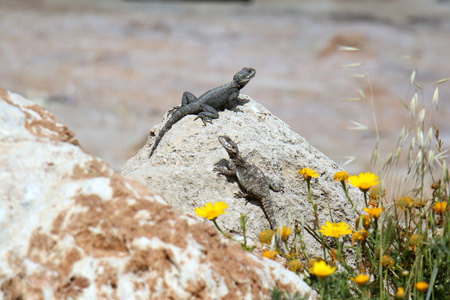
(240, 195)
(204, 119)
(218, 170)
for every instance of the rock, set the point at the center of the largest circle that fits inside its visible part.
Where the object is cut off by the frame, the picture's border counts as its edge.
(72, 228)
(181, 170)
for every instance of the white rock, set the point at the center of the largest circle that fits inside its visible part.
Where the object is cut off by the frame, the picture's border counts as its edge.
(72, 228)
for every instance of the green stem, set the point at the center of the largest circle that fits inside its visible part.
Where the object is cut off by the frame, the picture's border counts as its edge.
(344, 187)
(224, 233)
(316, 223)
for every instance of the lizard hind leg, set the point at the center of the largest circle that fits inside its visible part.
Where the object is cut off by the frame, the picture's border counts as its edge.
(186, 99)
(276, 186)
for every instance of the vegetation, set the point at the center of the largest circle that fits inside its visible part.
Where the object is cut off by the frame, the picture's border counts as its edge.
(399, 244)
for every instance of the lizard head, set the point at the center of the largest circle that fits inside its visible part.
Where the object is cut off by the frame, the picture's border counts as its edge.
(243, 76)
(229, 145)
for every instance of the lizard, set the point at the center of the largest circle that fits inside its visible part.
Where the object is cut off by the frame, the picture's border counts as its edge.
(252, 180)
(207, 105)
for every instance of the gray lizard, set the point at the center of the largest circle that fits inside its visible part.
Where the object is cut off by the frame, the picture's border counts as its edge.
(252, 180)
(207, 105)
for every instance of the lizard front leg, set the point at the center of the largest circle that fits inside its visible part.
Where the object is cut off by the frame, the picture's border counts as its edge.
(233, 102)
(228, 170)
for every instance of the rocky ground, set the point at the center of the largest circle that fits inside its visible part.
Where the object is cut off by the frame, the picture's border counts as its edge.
(110, 69)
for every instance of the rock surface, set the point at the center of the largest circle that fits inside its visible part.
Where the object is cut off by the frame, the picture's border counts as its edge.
(181, 169)
(72, 228)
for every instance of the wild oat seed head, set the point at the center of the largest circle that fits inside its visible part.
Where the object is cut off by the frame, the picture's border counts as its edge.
(436, 96)
(421, 116)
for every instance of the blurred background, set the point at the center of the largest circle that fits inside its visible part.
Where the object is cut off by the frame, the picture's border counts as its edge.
(111, 69)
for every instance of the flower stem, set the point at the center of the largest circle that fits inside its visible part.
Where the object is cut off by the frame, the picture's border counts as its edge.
(344, 187)
(223, 232)
(316, 223)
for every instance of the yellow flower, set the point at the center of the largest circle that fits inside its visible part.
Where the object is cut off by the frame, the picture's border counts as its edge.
(440, 207)
(363, 221)
(374, 212)
(361, 280)
(400, 294)
(364, 181)
(312, 262)
(404, 203)
(210, 211)
(322, 270)
(359, 235)
(419, 203)
(266, 236)
(270, 254)
(387, 261)
(415, 240)
(341, 176)
(308, 173)
(421, 286)
(296, 266)
(285, 232)
(375, 194)
(336, 229)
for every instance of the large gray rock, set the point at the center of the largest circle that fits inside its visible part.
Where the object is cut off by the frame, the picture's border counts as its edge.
(72, 228)
(181, 169)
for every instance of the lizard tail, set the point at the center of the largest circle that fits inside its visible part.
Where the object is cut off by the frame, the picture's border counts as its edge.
(175, 117)
(268, 211)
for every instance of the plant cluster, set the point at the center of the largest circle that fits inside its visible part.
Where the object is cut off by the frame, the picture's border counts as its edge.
(399, 244)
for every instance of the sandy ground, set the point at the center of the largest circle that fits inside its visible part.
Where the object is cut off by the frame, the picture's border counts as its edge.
(110, 69)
